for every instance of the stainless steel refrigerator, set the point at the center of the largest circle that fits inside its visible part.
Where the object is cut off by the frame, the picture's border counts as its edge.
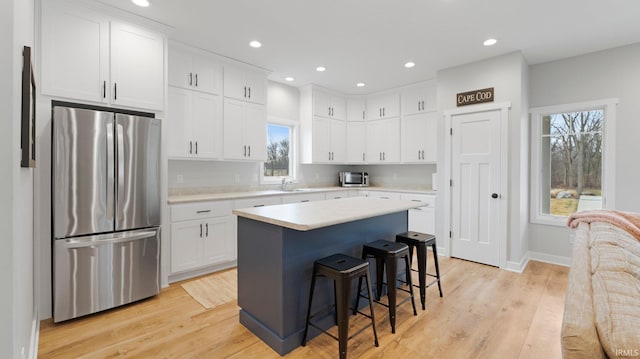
(105, 206)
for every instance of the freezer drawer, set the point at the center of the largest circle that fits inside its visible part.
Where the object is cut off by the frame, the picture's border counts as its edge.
(95, 273)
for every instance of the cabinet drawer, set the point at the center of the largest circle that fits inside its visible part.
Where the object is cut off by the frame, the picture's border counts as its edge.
(306, 197)
(383, 195)
(257, 202)
(428, 200)
(184, 212)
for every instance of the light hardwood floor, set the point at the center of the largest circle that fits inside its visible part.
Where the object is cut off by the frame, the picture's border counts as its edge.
(485, 313)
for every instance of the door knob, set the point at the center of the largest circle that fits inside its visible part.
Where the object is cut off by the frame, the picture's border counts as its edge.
(494, 195)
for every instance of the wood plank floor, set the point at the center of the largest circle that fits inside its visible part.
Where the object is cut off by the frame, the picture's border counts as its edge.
(485, 313)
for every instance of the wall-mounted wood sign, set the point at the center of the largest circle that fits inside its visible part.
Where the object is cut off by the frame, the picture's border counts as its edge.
(473, 97)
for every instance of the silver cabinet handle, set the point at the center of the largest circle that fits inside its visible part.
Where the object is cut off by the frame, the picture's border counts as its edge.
(196, 147)
(380, 153)
(329, 111)
(418, 154)
(206, 224)
(249, 91)
(196, 80)
(380, 110)
(363, 156)
(422, 105)
(190, 147)
(245, 151)
(245, 92)
(418, 105)
(384, 156)
(200, 230)
(190, 78)
(204, 211)
(423, 154)
(305, 200)
(249, 151)
(363, 115)
(115, 91)
(329, 155)
(104, 89)
(384, 110)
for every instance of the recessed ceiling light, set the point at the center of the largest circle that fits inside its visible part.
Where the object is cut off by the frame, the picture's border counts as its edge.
(409, 65)
(255, 44)
(289, 78)
(360, 84)
(320, 69)
(143, 3)
(489, 42)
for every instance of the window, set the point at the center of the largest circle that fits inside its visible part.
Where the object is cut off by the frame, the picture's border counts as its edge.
(570, 159)
(280, 152)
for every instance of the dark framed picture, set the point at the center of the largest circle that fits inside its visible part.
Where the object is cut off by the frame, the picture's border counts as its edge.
(28, 130)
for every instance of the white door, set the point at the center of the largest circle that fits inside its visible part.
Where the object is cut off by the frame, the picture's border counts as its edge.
(475, 171)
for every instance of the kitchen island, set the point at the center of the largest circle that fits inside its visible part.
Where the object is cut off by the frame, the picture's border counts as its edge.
(277, 246)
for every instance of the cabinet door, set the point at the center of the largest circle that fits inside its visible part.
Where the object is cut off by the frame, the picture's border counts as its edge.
(217, 240)
(180, 68)
(391, 105)
(374, 108)
(179, 122)
(75, 52)
(207, 75)
(234, 146)
(356, 110)
(186, 245)
(321, 140)
(256, 87)
(391, 140)
(375, 138)
(338, 108)
(255, 132)
(137, 67)
(414, 132)
(411, 100)
(206, 112)
(321, 104)
(357, 142)
(422, 219)
(338, 139)
(431, 137)
(235, 82)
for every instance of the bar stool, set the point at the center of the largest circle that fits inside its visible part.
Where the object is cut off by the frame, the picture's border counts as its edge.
(342, 269)
(388, 253)
(421, 241)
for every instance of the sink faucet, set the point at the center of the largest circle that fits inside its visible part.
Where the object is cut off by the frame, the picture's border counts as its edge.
(286, 181)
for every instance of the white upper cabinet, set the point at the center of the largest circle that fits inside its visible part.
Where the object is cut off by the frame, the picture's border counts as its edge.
(329, 140)
(383, 141)
(245, 131)
(419, 138)
(357, 141)
(245, 84)
(386, 105)
(419, 98)
(328, 105)
(194, 71)
(194, 124)
(356, 109)
(89, 56)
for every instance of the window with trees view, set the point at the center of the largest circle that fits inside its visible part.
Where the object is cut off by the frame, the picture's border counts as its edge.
(279, 161)
(569, 161)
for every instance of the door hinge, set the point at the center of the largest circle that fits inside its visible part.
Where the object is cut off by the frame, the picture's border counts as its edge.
(451, 131)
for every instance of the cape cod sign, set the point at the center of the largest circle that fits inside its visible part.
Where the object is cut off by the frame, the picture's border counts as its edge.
(473, 97)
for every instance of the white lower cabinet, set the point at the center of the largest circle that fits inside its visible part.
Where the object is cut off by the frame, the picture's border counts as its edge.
(202, 234)
(422, 219)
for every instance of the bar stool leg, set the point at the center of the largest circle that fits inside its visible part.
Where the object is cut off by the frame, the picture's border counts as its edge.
(342, 308)
(379, 273)
(355, 309)
(435, 261)
(306, 327)
(392, 272)
(413, 302)
(408, 272)
(422, 273)
(373, 318)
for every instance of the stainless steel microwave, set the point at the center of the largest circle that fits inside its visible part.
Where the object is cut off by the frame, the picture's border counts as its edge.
(354, 179)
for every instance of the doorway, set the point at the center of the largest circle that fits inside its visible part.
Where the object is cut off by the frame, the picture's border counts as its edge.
(477, 198)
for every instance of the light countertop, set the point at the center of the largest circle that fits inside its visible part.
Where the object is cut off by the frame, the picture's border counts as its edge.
(217, 196)
(311, 215)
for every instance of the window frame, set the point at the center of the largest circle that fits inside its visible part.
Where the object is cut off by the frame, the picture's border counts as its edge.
(608, 155)
(293, 151)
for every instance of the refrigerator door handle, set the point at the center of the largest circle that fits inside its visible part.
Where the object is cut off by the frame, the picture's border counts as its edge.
(70, 243)
(120, 161)
(110, 205)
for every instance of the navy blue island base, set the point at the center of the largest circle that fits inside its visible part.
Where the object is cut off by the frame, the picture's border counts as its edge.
(275, 266)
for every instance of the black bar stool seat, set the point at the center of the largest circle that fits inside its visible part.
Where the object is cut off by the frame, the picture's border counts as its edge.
(420, 241)
(342, 269)
(387, 254)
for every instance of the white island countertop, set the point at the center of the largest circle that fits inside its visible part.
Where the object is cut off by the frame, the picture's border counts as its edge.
(311, 215)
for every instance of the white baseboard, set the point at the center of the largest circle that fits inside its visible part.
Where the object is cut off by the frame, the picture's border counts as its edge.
(549, 258)
(175, 277)
(518, 267)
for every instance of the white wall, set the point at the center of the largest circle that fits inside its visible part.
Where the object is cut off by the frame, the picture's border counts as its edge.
(17, 309)
(613, 73)
(507, 75)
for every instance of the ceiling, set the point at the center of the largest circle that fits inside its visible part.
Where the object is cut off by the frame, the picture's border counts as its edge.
(370, 40)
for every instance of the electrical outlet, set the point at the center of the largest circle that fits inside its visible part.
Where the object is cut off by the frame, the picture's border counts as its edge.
(180, 179)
